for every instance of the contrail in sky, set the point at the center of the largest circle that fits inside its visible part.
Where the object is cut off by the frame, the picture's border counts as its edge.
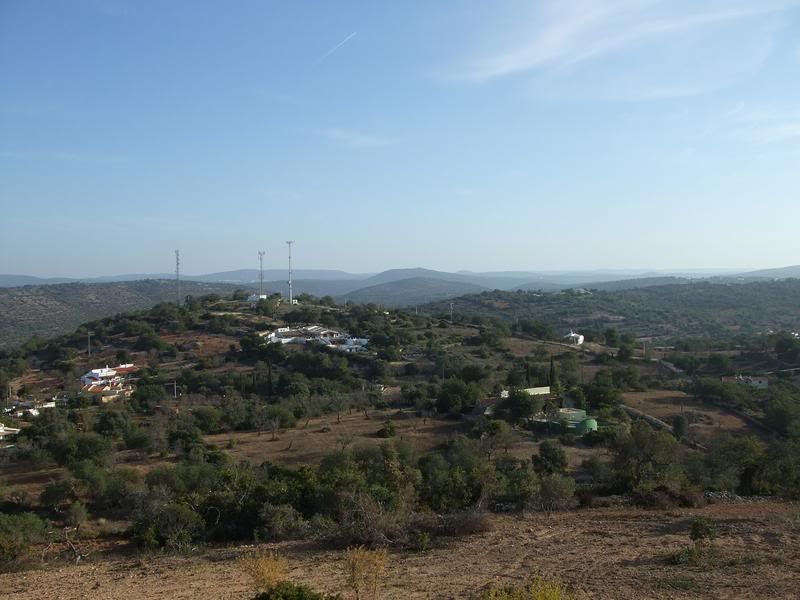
(336, 47)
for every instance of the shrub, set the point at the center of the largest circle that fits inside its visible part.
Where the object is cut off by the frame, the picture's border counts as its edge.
(551, 458)
(421, 541)
(17, 534)
(702, 532)
(388, 430)
(58, 493)
(293, 591)
(362, 520)
(465, 522)
(538, 589)
(282, 522)
(556, 492)
(365, 569)
(171, 526)
(267, 570)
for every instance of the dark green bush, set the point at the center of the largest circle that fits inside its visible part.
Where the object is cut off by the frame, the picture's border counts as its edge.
(294, 591)
(17, 534)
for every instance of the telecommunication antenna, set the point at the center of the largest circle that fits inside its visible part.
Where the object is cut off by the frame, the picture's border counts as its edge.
(178, 275)
(451, 313)
(260, 274)
(291, 298)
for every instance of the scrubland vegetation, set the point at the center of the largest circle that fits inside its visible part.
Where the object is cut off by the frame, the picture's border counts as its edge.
(162, 472)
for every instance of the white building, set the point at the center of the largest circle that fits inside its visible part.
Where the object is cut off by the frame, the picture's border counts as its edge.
(254, 298)
(574, 338)
(108, 374)
(7, 432)
(316, 334)
(534, 391)
(760, 383)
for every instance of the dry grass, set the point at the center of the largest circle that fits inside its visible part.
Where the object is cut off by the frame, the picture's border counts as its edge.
(538, 589)
(266, 569)
(365, 569)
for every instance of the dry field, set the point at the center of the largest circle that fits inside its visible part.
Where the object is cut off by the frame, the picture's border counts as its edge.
(600, 553)
(707, 420)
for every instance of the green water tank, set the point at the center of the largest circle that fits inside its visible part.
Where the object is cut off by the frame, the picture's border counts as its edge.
(586, 426)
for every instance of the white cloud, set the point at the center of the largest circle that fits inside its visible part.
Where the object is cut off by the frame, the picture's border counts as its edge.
(628, 49)
(356, 139)
(565, 34)
(761, 125)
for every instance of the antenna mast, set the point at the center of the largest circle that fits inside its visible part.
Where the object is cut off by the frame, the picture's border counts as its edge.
(291, 297)
(178, 275)
(260, 274)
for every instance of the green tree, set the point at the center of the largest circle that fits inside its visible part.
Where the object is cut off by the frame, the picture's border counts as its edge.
(551, 458)
(645, 457)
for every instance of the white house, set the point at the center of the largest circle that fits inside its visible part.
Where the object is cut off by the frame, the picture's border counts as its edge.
(316, 334)
(7, 432)
(574, 338)
(534, 391)
(108, 374)
(760, 383)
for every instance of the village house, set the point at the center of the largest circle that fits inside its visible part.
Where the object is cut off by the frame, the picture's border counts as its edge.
(574, 338)
(316, 334)
(758, 382)
(108, 384)
(6, 433)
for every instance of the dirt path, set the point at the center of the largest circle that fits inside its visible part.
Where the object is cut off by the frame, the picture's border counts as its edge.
(600, 553)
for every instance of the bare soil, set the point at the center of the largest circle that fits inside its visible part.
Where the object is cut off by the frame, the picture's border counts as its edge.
(706, 420)
(598, 553)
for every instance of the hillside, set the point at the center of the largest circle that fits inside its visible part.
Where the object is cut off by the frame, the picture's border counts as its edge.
(693, 309)
(49, 310)
(408, 292)
(629, 284)
(780, 273)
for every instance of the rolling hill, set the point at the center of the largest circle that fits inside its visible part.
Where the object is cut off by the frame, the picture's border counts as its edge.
(50, 310)
(780, 273)
(697, 308)
(409, 292)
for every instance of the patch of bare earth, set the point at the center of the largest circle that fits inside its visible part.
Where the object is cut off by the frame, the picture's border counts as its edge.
(599, 553)
(706, 419)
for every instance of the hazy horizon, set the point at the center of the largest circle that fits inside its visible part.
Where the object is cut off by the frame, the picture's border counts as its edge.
(548, 136)
(700, 271)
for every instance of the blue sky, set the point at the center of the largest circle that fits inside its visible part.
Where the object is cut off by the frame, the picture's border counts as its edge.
(453, 135)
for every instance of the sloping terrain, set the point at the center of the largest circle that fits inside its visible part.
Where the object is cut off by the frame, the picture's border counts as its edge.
(408, 292)
(50, 310)
(599, 553)
(695, 309)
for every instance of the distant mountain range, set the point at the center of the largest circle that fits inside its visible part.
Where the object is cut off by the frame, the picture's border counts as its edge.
(45, 306)
(334, 282)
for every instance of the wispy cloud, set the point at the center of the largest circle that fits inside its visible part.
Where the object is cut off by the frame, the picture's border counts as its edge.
(566, 34)
(356, 139)
(74, 157)
(763, 125)
(334, 48)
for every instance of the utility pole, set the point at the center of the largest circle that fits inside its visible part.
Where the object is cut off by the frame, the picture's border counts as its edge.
(291, 297)
(260, 274)
(451, 313)
(178, 276)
